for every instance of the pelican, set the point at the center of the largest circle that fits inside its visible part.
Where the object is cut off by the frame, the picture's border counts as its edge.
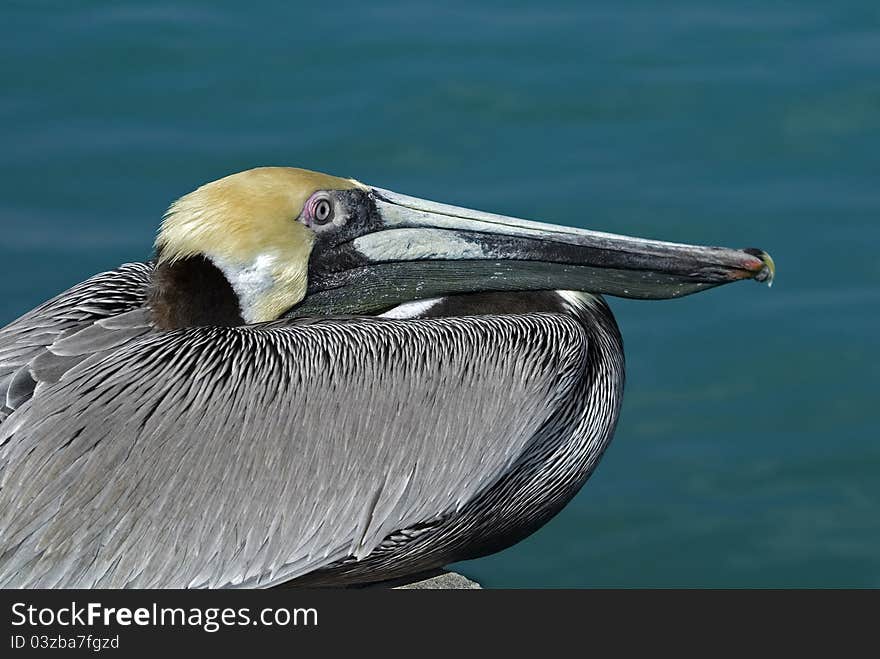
(316, 382)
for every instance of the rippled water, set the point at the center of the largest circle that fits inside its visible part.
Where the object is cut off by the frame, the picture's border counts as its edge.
(747, 451)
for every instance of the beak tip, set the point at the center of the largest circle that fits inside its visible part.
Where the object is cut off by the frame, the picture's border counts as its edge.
(767, 269)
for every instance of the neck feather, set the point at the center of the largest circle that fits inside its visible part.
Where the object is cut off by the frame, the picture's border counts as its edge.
(192, 292)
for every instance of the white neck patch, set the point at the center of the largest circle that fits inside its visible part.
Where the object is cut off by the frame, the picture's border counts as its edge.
(250, 282)
(576, 300)
(411, 309)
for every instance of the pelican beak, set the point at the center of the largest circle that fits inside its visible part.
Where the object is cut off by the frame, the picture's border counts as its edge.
(415, 249)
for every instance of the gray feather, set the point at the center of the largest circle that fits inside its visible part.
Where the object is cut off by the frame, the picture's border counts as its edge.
(26, 359)
(253, 455)
(20, 387)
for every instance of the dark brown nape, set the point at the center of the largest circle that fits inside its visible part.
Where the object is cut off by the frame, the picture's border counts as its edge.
(192, 292)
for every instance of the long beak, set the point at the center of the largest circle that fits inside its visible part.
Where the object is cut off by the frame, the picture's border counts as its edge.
(417, 249)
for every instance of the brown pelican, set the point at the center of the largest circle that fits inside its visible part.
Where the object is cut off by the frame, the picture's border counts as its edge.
(318, 382)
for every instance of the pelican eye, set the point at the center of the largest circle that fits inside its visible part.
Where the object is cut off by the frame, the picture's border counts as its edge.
(323, 211)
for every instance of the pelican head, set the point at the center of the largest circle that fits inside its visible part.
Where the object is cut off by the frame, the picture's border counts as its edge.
(295, 242)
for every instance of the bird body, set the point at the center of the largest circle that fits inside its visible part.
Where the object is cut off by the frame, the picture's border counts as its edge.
(260, 405)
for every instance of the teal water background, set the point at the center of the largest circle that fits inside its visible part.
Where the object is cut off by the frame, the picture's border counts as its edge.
(747, 452)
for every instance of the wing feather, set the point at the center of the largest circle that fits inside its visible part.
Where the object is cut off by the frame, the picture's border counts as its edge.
(90, 317)
(214, 457)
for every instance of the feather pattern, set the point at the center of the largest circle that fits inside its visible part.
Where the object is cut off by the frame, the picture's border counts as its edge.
(254, 455)
(27, 358)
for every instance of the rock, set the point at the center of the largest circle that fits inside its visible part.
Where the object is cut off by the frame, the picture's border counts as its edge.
(441, 581)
